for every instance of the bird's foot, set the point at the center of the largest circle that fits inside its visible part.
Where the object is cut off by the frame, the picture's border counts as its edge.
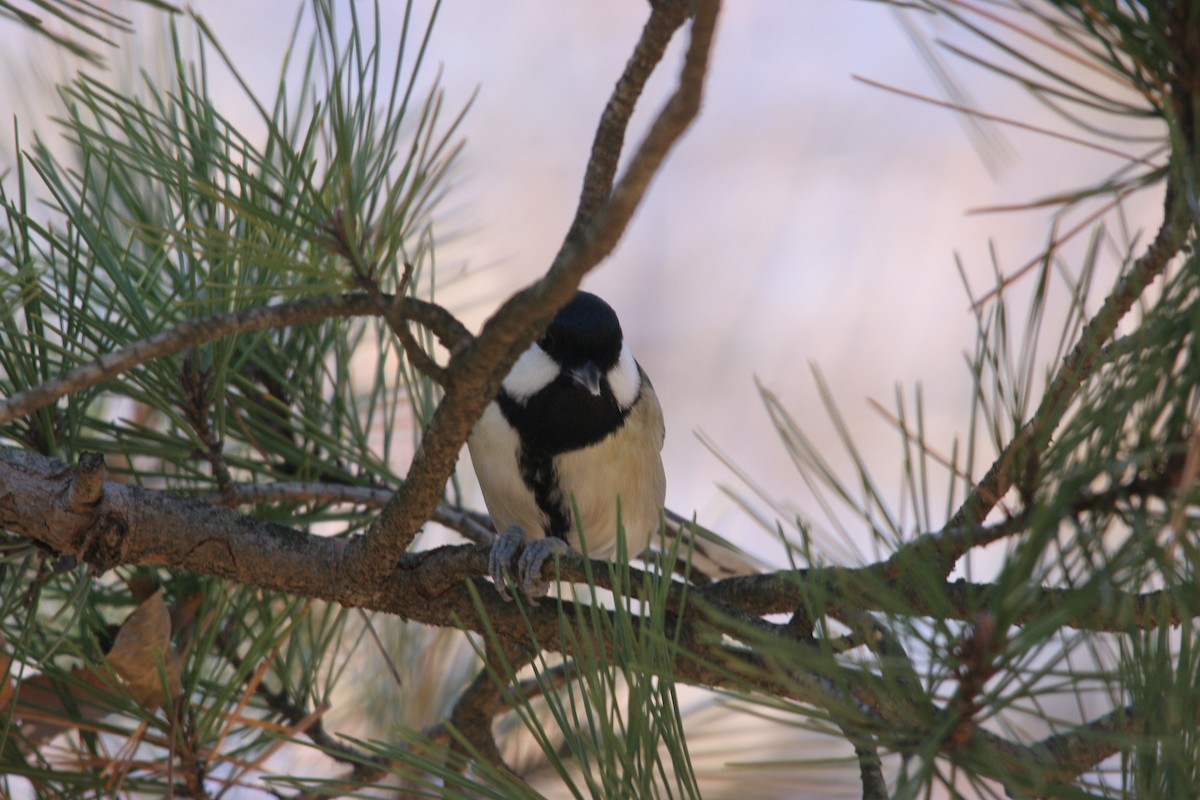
(528, 577)
(530, 565)
(500, 559)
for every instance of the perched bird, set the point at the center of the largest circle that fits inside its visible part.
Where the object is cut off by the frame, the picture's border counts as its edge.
(572, 440)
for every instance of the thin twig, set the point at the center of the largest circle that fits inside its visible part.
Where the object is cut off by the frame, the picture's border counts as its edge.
(196, 382)
(1075, 368)
(366, 767)
(475, 527)
(555, 677)
(379, 645)
(938, 546)
(352, 781)
(393, 312)
(610, 134)
(350, 244)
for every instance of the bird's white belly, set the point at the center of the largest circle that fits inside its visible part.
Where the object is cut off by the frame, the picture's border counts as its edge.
(602, 478)
(610, 476)
(494, 447)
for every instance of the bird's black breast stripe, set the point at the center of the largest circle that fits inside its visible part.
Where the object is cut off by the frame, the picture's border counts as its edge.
(537, 470)
(560, 418)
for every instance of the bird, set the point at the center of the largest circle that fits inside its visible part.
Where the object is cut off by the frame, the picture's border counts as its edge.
(570, 448)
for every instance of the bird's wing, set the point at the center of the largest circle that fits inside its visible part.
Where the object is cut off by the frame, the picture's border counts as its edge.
(712, 556)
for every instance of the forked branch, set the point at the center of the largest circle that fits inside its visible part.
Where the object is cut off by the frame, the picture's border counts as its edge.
(474, 374)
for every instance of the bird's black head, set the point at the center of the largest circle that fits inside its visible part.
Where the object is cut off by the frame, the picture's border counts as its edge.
(585, 329)
(571, 389)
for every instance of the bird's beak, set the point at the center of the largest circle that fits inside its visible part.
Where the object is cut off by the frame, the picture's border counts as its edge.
(587, 376)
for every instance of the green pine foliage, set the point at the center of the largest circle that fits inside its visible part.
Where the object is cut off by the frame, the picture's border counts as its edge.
(1064, 667)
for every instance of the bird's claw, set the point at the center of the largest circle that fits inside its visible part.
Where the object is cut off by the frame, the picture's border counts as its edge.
(530, 566)
(504, 550)
(528, 577)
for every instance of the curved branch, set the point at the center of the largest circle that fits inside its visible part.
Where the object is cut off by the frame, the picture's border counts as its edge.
(474, 374)
(610, 134)
(193, 332)
(1059, 758)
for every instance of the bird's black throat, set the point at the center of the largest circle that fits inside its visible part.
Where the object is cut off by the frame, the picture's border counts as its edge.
(563, 416)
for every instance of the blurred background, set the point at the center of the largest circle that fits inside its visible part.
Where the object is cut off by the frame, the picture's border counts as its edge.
(807, 220)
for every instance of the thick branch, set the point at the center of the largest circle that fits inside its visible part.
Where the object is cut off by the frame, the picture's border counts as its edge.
(160, 528)
(144, 527)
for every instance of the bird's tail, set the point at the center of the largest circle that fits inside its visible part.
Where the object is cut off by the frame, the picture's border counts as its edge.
(712, 556)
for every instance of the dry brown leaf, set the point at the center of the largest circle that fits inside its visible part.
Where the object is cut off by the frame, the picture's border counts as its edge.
(46, 707)
(142, 644)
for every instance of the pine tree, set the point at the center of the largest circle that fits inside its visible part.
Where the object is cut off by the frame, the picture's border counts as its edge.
(230, 401)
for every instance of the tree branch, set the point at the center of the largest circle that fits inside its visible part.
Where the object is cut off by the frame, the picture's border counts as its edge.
(393, 311)
(140, 526)
(610, 135)
(471, 718)
(870, 768)
(1076, 367)
(474, 374)
(151, 527)
(859, 587)
(1059, 758)
(473, 526)
(194, 332)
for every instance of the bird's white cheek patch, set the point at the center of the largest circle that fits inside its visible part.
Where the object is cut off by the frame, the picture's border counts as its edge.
(533, 370)
(624, 379)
